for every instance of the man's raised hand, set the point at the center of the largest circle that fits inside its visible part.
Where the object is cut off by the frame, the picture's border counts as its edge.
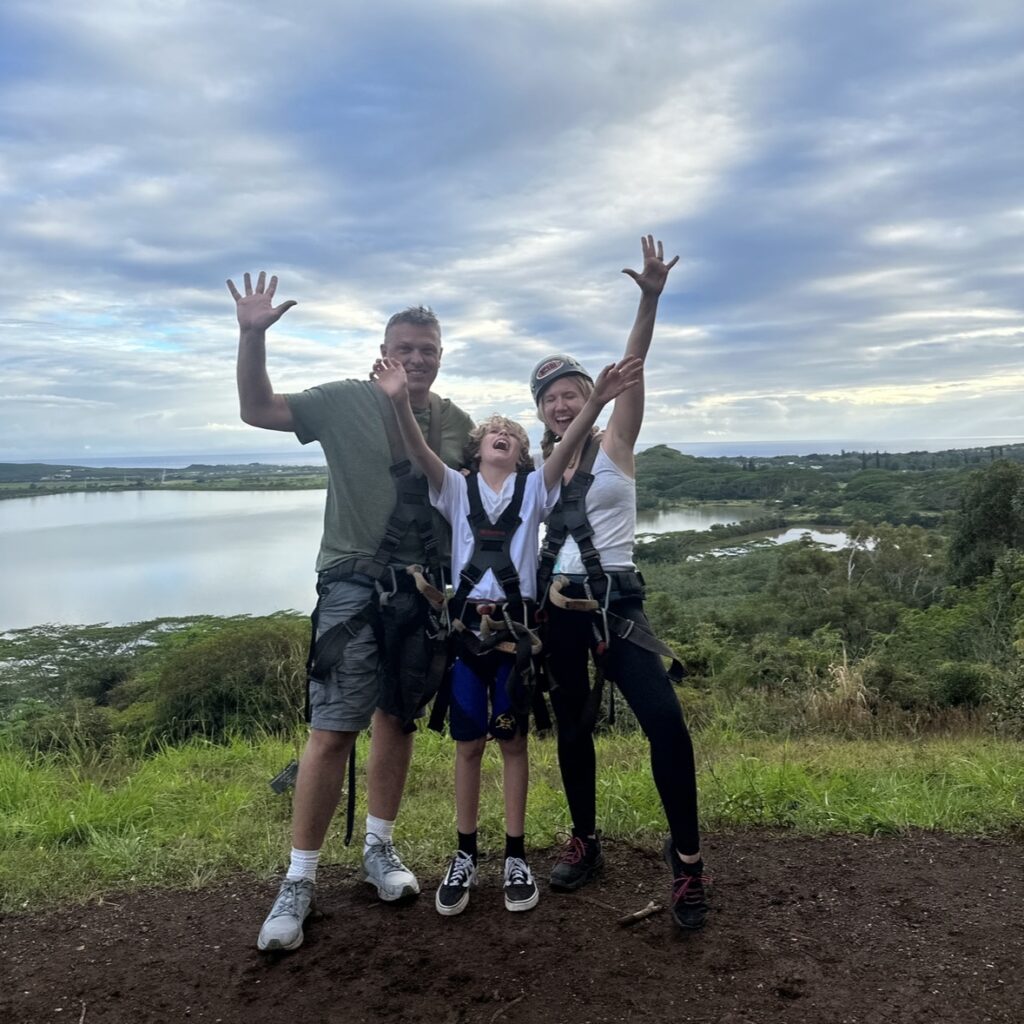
(618, 377)
(256, 311)
(390, 376)
(652, 278)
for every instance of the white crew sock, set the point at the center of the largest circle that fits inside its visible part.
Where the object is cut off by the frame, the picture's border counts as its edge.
(380, 829)
(303, 865)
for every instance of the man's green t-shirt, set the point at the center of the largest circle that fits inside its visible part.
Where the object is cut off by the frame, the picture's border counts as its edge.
(345, 417)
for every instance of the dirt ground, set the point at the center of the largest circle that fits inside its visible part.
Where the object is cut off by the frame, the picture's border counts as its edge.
(832, 930)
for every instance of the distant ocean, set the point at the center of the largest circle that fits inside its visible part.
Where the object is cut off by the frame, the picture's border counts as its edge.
(312, 455)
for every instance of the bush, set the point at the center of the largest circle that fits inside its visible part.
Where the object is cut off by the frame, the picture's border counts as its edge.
(248, 678)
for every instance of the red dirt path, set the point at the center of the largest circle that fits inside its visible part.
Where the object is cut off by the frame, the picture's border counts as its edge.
(834, 930)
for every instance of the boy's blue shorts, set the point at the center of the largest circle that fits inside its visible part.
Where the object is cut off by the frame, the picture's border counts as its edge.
(468, 717)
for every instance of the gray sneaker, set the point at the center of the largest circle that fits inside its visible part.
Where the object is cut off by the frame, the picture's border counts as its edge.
(385, 870)
(282, 929)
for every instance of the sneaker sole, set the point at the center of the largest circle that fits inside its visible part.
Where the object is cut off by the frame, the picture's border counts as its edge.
(519, 905)
(277, 946)
(407, 892)
(589, 876)
(450, 911)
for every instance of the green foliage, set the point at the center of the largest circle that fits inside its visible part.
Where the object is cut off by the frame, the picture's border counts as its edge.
(188, 815)
(82, 687)
(244, 678)
(990, 521)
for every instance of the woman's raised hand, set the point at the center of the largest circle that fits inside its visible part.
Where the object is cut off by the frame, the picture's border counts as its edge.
(655, 272)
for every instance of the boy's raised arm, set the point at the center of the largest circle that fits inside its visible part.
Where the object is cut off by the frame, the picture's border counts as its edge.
(391, 379)
(611, 382)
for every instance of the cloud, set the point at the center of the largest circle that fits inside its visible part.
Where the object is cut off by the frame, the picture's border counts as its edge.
(841, 182)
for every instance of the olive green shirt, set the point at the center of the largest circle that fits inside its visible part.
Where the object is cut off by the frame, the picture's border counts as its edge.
(345, 417)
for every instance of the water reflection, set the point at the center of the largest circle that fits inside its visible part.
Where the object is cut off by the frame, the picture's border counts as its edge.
(133, 555)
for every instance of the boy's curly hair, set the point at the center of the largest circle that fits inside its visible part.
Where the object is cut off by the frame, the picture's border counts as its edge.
(515, 430)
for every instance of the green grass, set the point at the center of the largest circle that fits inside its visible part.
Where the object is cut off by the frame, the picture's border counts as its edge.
(72, 829)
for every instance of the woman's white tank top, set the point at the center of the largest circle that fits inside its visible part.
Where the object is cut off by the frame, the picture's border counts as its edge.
(611, 509)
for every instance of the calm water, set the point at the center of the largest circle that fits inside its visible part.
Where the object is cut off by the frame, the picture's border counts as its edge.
(129, 556)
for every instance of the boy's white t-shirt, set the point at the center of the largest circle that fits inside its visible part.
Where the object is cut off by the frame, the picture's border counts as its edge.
(453, 503)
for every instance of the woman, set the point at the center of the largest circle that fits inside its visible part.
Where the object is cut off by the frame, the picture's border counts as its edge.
(592, 596)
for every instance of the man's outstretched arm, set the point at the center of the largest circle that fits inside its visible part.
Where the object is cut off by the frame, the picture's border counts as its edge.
(258, 404)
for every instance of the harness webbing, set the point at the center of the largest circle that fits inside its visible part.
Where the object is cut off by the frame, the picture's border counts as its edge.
(569, 517)
(492, 545)
(511, 633)
(411, 508)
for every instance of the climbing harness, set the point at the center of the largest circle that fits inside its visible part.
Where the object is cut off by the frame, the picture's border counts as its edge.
(506, 626)
(597, 592)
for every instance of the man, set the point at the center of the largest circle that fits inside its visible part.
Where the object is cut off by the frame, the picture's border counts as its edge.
(362, 555)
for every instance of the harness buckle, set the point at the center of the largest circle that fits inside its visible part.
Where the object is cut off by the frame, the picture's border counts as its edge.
(386, 595)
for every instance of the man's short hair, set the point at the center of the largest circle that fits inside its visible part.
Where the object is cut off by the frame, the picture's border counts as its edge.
(421, 316)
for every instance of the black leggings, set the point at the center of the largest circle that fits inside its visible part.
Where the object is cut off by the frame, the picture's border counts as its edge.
(640, 676)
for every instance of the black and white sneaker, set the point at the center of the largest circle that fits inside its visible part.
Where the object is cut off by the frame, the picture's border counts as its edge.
(521, 891)
(453, 892)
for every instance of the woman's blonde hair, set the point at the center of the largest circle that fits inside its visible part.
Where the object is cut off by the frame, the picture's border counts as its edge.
(548, 441)
(515, 430)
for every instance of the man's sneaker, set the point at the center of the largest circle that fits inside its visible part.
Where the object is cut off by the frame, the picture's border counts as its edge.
(520, 889)
(689, 900)
(282, 929)
(453, 892)
(385, 870)
(580, 861)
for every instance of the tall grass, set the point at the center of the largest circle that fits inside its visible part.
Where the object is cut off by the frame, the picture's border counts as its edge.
(73, 827)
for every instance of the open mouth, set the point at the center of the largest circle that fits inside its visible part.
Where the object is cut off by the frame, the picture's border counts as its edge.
(501, 444)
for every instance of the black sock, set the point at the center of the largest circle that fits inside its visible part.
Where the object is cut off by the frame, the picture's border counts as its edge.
(591, 842)
(467, 843)
(515, 846)
(695, 870)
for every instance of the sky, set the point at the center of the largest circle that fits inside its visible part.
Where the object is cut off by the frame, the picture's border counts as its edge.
(842, 181)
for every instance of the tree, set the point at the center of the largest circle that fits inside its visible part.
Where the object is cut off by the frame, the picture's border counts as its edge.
(990, 521)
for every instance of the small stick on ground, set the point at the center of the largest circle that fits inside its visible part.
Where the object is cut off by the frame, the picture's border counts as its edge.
(599, 903)
(507, 1006)
(640, 915)
(81, 1020)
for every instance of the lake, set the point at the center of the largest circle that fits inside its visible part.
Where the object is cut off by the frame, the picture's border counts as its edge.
(133, 555)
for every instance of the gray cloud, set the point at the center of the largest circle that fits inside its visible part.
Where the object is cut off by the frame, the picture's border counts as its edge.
(841, 182)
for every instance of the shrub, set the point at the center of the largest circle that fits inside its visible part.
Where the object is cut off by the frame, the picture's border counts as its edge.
(248, 677)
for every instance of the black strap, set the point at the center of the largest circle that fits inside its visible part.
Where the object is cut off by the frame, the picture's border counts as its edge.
(631, 631)
(412, 504)
(492, 546)
(569, 517)
(327, 651)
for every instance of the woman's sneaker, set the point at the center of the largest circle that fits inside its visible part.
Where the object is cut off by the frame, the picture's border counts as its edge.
(282, 929)
(579, 862)
(689, 898)
(453, 893)
(520, 889)
(385, 870)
